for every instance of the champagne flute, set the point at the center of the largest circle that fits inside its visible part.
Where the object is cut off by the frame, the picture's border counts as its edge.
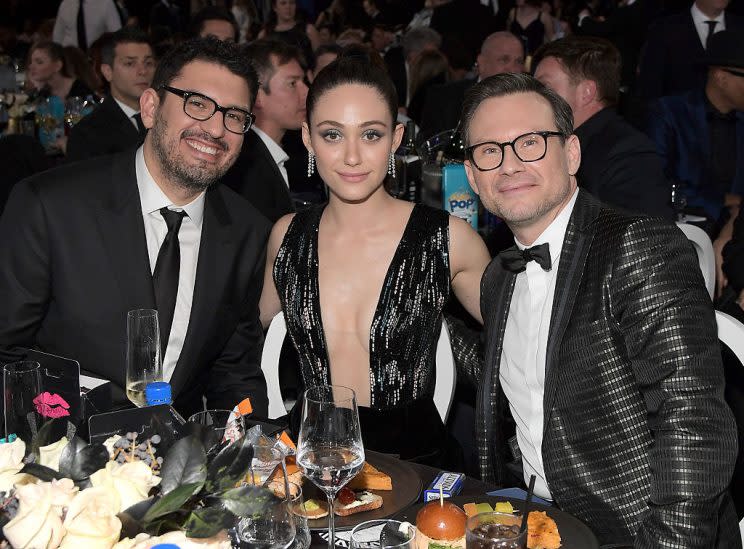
(143, 353)
(329, 448)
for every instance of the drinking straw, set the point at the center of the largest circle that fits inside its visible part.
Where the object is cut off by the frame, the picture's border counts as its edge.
(527, 503)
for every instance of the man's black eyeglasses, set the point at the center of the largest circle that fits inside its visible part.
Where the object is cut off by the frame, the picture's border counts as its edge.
(528, 147)
(200, 107)
(734, 72)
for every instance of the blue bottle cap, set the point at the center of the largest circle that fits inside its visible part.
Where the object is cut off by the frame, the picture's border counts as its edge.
(158, 392)
(164, 545)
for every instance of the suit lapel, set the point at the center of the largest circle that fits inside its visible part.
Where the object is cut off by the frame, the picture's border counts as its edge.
(211, 274)
(497, 287)
(576, 244)
(123, 125)
(122, 228)
(268, 159)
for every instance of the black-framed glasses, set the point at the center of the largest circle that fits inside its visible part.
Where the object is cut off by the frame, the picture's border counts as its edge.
(200, 107)
(528, 147)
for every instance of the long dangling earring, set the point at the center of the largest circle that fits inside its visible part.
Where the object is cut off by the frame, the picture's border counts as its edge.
(310, 164)
(391, 164)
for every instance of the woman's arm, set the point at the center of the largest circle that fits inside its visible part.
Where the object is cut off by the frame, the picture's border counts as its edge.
(468, 259)
(312, 34)
(269, 305)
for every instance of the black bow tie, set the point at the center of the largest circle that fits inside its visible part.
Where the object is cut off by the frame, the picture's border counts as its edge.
(515, 260)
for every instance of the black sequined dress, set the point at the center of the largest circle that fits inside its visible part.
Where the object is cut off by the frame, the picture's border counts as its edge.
(402, 418)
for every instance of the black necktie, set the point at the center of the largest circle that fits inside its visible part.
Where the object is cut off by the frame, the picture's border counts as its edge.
(140, 126)
(82, 39)
(711, 29)
(165, 277)
(515, 260)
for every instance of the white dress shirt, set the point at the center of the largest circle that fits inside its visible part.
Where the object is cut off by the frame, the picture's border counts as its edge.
(699, 18)
(277, 153)
(129, 111)
(152, 199)
(522, 368)
(99, 15)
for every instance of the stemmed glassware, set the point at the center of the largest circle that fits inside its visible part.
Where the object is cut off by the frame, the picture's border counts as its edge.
(329, 447)
(143, 353)
(21, 385)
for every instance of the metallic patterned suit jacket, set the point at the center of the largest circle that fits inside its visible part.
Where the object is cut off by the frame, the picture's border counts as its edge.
(638, 440)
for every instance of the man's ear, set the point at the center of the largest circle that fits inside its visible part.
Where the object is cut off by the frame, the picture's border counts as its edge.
(149, 104)
(107, 71)
(587, 91)
(471, 176)
(573, 154)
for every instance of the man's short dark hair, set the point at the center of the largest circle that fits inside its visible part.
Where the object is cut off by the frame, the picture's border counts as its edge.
(266, 55)
(125, 35)
(501, 85)
(210, 50)
(212, 13)
(587, 58)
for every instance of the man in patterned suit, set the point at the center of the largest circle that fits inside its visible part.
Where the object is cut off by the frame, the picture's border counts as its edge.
(604, 347)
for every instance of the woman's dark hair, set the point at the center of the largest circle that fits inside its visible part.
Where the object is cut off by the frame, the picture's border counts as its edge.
(360, 66)
(209, 49)
(55, 52)
(502, 85)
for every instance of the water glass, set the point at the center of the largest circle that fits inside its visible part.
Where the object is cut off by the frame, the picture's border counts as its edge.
(272, 528)
(143, 353)
(21, 385)
(495, 531)
(228, 426)
(383, 534)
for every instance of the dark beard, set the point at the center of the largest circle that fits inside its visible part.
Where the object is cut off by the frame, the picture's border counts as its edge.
(189, 177)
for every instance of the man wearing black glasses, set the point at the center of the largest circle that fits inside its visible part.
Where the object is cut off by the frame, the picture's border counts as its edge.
(86, 243)
(601, 340)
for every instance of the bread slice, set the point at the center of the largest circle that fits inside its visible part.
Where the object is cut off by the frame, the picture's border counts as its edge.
(365, 501)
(370, 478)
(313, 509)
(542, 531)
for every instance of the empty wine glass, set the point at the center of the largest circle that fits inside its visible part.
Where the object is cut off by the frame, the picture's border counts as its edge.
(227, 426)
(143, 353)
(329, 447)
(21, 384)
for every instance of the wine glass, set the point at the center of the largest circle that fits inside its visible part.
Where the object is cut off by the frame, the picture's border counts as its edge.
(21, 384)
(678, 200)
(383, 534)
(329, 448)
(143, 353)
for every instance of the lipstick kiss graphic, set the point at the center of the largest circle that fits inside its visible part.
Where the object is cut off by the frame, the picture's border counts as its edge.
(51, 405)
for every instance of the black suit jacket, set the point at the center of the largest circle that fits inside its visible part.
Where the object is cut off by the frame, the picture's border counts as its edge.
(621, 167)
(638, 441)
(73, 261)
(671, 62)
(106, 130)
(626, 28)
(257, 178)
(443, 106)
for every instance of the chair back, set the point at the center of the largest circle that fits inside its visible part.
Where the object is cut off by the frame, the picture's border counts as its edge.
(706, 257)
(444, 388)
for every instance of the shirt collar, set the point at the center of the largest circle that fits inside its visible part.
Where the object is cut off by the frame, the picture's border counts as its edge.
(277, 153)
(129, 111)
(555, 233)
(153, 198)
(699, 17)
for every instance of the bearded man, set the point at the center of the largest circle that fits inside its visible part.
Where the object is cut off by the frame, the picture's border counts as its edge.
(147, 229)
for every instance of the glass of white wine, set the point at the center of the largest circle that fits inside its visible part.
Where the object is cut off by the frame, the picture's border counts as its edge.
(329, 448)
(143, 353)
